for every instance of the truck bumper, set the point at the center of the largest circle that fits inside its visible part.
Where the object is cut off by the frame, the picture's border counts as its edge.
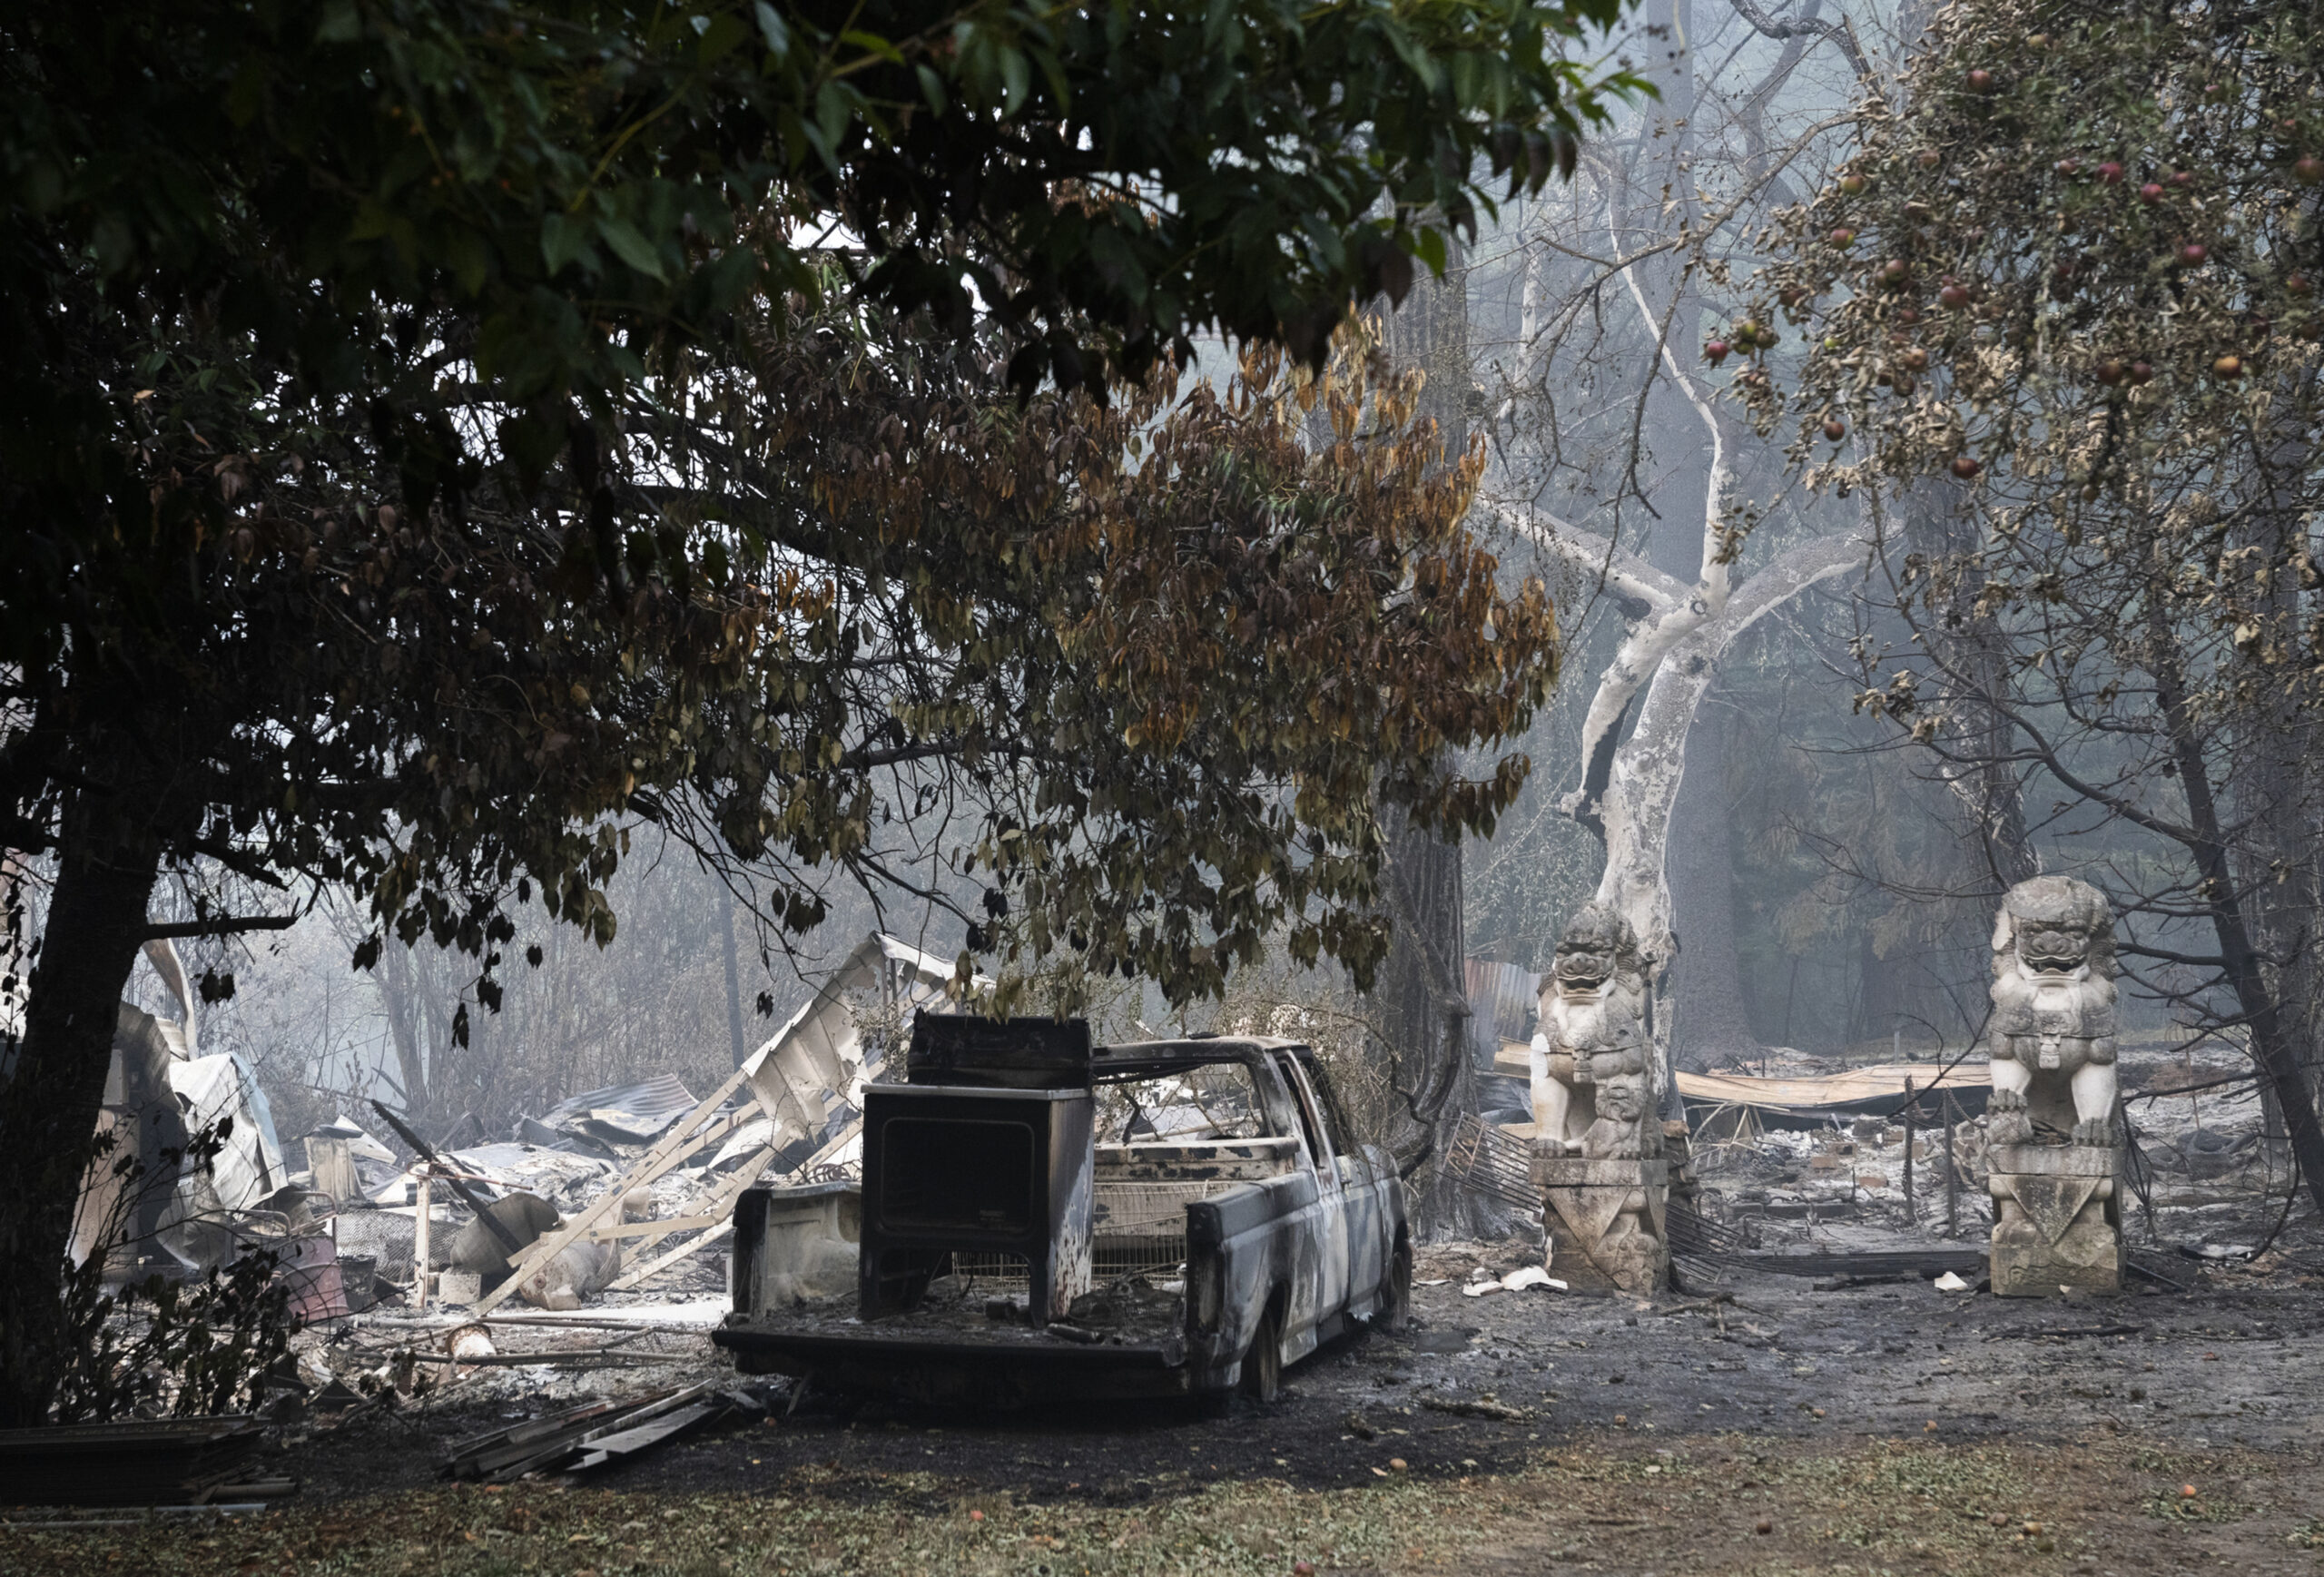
(972, 1373)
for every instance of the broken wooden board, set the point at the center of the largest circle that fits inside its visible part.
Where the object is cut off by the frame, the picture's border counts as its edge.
(143, 1461)
(682, 1140)
(717, 1215)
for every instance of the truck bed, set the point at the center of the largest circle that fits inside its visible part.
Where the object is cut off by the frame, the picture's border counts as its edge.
(1125, 1339)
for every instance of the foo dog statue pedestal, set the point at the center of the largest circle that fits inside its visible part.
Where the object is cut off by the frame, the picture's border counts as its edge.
(2057, 1225)
(1605, 1223)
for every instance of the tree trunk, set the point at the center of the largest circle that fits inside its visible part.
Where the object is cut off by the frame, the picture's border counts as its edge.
(1970, 645)
(1424, 1017)
(1703, 990)
(106, 869)
(733, 986)
(1648, 769)
(2272, 1046)
(1420, 993)
(2277, 786)
(404, 993)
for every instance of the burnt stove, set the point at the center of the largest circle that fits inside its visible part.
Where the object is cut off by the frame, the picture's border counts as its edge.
(979, 1168)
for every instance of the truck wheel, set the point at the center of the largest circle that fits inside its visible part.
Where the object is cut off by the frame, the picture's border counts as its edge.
(1263, 1364)
(1396, 1296)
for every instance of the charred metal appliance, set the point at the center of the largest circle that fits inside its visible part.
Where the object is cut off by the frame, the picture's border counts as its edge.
(979, 1165)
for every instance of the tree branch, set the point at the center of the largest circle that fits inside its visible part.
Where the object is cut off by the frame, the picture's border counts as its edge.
(1628, 577)
(224, 925)
(1840, 33)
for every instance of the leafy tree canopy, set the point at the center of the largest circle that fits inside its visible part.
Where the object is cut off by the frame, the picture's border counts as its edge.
(548, 195)
(435, 435)
(2077, 273)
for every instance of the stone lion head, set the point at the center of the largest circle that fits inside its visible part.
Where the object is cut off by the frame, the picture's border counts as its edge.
(2055, 925)
(1598, 945)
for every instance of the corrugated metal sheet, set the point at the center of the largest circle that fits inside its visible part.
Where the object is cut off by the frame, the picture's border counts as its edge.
(1875, 1090)
(625, 1113)
(1503, 1001)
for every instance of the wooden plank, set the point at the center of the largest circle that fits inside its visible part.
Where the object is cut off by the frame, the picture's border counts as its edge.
(718, 1213)
(679, 1141)
(652, 1268)
(655, 1229)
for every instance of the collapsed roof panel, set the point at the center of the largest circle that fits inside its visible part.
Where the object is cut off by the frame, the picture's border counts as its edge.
(809, 1073)
(624, 1114)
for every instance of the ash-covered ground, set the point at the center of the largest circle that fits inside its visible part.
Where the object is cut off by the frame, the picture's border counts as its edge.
(2238, 1360)
(2210, 1356)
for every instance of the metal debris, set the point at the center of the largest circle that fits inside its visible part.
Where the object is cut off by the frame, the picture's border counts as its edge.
(592, 1434)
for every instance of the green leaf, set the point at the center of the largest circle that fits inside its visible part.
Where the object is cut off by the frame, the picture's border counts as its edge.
(834, 104)
(1117, 264)
(468, 258)
(872, 43)
(631, 247)
(932, 87)
(774, 30)
(247, 93)
(729, 280)
(1428, 245)
(564, 239)
(1016, 80)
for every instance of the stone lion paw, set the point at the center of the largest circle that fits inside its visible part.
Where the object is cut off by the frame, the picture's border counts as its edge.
(2096, 1131)
(2010, 1128)
(2007, 1101)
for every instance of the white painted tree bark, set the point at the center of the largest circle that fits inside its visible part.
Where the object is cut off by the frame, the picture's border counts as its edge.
(1670, 653)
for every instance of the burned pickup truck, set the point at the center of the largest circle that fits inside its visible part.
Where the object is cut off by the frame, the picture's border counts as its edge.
(1039, 1218)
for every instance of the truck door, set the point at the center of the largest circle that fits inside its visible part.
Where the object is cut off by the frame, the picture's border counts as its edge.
(1360, 1192)
(1331, 1191)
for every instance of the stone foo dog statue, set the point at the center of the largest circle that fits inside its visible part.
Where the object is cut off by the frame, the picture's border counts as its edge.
(1598, 1134)
(1592, 1061)
(2051, 1039)
(2056, 1221)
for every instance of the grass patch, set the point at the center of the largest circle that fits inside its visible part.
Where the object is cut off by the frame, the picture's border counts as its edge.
(1845, 1506)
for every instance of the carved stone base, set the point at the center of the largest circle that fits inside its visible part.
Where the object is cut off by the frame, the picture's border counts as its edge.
(2057, 1225)
(1605, 1223)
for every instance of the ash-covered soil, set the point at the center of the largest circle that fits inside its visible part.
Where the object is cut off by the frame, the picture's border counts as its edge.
(2237, 1362)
